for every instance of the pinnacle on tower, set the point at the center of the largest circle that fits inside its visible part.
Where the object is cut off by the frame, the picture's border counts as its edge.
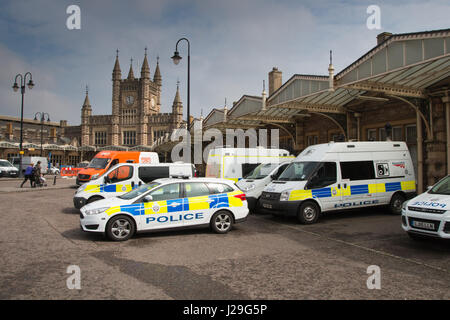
(177, 99)
(130, 73)
(145, 70)
(86, 103)
(157, 76)
(117, 73)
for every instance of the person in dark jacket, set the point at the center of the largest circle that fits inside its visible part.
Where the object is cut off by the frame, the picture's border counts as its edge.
(28, 175)
(37, 174)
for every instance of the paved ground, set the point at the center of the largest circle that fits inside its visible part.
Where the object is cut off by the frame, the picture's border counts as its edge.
(13, 184)
(263, 258)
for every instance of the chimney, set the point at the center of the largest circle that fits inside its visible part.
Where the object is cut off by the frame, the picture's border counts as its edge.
(275, 80)
(382, 37)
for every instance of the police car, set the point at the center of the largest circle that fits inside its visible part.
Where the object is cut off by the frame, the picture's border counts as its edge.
(167, 203)
(429, 213)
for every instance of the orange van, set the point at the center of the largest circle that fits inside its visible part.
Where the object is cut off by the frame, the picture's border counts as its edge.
(107, 159)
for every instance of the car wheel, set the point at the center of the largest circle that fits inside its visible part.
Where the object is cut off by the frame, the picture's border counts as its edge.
(120, 228)
(93, 199)
(308, 213)
(222, 221)
(395, 206)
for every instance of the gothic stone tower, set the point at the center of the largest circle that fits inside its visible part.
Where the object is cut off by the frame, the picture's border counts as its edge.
(133, 101)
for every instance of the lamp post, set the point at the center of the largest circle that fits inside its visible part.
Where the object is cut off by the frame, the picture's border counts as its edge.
(42, 115)
(23, 80)
(176, 59)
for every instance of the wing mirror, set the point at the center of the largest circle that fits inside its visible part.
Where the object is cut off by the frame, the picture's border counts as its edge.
(148, 198)
(107, 180)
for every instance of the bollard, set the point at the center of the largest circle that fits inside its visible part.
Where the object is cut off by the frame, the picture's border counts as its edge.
(54, 180)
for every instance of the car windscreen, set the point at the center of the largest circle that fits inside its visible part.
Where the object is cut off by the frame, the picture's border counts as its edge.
(262, 171)
(99, 163)
(5, 164)
(139, 191)
(442, 187)
(299, 171)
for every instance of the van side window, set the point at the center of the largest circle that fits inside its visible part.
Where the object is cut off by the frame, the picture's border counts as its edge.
(324, 175)
(357, 170)
(148, 174)
(195, 189)
(114, 162)
(120, 174)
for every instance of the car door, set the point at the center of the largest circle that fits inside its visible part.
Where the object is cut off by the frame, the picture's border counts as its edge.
(197, 196)
(166, 208)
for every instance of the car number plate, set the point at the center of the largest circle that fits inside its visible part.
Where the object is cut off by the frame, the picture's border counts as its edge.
(267, 206)
(423, 225)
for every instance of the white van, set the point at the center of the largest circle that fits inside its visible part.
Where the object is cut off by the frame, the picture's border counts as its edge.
(124, 177)
(236, 163)
(26, 161)
(254, 183)
(342, 175)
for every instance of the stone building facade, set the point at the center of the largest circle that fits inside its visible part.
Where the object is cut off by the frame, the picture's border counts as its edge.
(136, 120)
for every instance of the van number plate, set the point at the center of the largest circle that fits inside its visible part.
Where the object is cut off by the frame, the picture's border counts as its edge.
(423, 225)
(267, 206)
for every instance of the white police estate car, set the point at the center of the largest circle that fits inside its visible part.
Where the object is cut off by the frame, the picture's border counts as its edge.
(429, 213)
(167, 203)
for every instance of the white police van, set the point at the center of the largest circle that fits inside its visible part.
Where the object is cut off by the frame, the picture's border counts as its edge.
(342, 175)
(165, 204)
(124, 177)
(254, 183)
(236, 163)
(428, 214)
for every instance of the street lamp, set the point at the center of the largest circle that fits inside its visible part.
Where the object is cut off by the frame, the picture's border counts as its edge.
(42, 115)
(23, 80)
(176, 60)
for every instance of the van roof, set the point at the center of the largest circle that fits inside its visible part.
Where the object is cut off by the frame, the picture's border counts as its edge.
(255, 151)
(155, 164)
(320, 150)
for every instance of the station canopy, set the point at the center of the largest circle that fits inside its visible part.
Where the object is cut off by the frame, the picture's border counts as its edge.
(403, 65)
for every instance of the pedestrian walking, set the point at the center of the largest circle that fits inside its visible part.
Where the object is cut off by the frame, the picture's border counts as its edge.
(28, 175)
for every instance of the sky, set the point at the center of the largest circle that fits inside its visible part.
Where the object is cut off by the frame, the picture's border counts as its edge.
(234, 44)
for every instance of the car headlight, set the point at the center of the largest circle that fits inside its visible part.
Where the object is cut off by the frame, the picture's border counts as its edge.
(95, 211)
(285, 195)
(249, 187)
(83, 186)
(95, 176)
(404, 205)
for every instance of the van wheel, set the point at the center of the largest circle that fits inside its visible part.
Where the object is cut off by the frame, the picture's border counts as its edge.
(221, 222)
(93, 199)
(395, 206)
(308, 213)
(120, 228)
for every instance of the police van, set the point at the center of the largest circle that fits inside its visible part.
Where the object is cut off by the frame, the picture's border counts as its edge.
(124, 177)
(254, 183)
(166, 204)
(342, 175)
(428, 215)
(236, 163)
